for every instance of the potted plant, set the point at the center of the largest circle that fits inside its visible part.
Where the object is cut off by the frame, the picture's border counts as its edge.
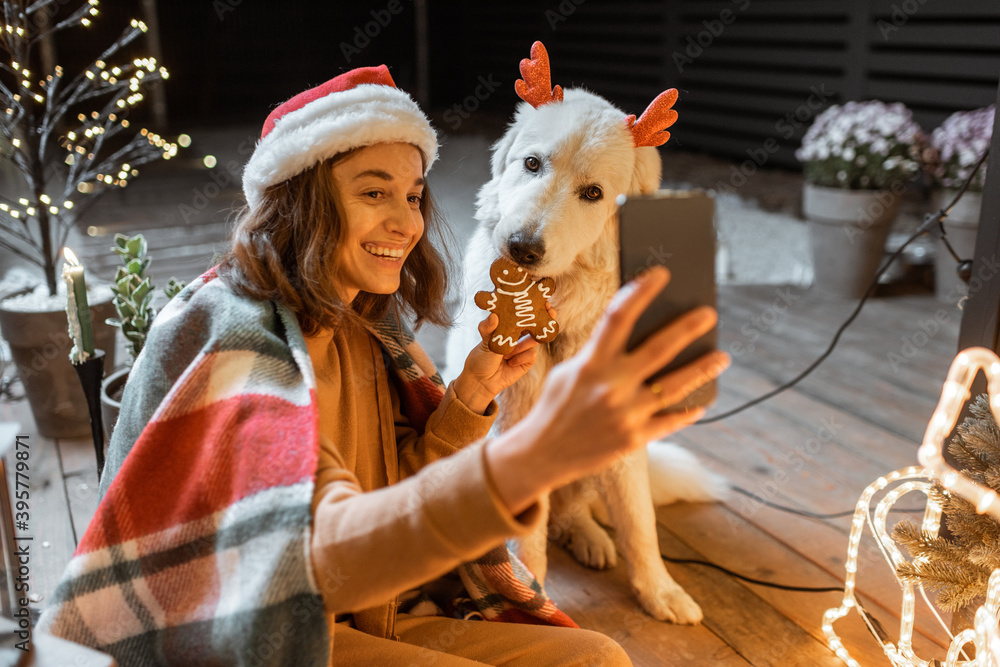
(133, 301)
(959, 142)
(857, 159)
(67, 139)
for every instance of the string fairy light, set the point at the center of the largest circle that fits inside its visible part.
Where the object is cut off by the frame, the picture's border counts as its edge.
(984, 636)
(953, 397)
(46, 106)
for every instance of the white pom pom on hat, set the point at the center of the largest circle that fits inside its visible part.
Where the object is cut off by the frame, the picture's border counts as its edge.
(358, 108)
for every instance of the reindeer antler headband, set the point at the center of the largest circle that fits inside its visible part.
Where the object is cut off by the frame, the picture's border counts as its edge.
(536, 89)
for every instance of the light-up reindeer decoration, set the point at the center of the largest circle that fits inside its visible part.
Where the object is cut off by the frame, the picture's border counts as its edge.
(985, 635)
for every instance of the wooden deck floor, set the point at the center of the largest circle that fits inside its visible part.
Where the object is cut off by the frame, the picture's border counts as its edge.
(872, 408)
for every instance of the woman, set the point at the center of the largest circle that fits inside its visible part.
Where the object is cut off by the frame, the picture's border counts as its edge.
(287, 462)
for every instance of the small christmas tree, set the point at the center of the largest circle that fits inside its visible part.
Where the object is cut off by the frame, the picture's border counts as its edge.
(66, 135)
(959, 567)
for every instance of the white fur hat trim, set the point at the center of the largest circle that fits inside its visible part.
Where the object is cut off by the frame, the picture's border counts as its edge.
(362, 116)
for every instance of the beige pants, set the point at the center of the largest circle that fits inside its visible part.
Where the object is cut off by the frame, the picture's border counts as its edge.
(446, 642)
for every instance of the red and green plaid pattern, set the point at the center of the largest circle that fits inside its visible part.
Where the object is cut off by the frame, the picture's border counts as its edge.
(198, 552)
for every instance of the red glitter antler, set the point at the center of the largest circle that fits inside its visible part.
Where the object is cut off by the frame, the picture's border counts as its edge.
(651, 129)
(535, 87)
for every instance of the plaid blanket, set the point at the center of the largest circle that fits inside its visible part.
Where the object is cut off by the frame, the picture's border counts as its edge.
(198, 553)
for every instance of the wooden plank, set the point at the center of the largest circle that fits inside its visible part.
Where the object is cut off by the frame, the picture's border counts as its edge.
(603, 29)
(625, 49)
(758, 452)
(105, 236)
(745, 123)
(779, 103)
(636, 72)
(742, 619)
(883, 370)
(79, 468)
(777, 56)
(713, 140)
(737, 545)
(861, 439)
(775, 80)
(882, 329)
(951, 9)
(769, 8)
(777, 32)
(76, 455)
(950, 65)
(603, 601)
(795, 341)
(651, 9)
(50, 526)
(957, 36)
(945, 94)
(82, 494)
(823, 543)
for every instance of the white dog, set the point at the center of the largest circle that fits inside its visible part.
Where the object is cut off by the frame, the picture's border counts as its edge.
(550, 206)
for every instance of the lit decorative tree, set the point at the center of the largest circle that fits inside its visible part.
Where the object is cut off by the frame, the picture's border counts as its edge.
(67, 136)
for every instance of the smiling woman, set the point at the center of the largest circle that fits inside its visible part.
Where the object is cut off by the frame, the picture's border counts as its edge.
(308, 241)
(289, 470)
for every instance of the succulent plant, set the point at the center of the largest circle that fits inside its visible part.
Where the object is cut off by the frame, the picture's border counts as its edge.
(133, 292)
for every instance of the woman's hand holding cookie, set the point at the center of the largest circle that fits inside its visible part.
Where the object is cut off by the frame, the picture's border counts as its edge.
(486, 373)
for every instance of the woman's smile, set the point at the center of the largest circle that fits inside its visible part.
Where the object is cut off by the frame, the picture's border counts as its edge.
(384, 252)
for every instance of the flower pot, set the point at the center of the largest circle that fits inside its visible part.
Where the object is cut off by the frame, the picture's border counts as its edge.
(111, 403)
(962, 225)
(848, 230)
(40, 345)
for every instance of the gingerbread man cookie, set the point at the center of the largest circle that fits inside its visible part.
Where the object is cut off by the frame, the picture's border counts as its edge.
(519, 302)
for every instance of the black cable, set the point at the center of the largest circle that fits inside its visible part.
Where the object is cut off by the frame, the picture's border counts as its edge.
(806, 513)
(751, 580)
(929, 220)
(874, 627)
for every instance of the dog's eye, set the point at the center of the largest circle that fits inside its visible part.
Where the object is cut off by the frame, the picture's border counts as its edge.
(531, 163)
(593, 193)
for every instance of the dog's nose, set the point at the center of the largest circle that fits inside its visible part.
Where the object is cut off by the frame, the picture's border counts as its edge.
(525, 250)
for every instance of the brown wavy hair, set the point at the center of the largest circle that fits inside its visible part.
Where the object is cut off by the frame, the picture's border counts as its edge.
(284, 251)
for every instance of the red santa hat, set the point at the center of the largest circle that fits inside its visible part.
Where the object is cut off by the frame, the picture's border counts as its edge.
(358, 108)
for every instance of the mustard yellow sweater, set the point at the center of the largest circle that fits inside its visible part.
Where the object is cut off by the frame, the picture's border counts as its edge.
(373, 540)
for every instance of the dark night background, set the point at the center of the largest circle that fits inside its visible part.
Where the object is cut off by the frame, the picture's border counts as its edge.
(231, 61)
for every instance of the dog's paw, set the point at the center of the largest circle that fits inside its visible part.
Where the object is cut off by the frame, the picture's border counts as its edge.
(669, 602)
(591, 545)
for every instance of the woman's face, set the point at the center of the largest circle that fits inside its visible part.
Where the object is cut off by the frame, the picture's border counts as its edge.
(380, 189)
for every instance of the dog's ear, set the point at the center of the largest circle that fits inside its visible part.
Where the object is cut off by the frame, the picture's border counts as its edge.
(500, 151)
(647, 171)
(488, 198)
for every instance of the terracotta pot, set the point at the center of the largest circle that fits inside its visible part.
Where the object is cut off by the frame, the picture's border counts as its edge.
(962, 225)
(848, 230)
(40, 345)
(110, 399)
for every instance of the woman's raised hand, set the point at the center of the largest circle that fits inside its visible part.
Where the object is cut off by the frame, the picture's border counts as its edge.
(596, 406)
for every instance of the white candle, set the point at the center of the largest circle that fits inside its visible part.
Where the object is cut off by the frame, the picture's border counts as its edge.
(77, 309)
